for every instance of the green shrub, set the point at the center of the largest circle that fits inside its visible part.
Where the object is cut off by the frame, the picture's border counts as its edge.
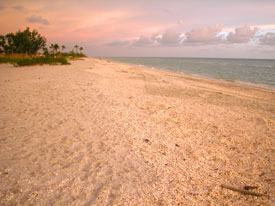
(26, 61)
(4, 60)
(23, 62)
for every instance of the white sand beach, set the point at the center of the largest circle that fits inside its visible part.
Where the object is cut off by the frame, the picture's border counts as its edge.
(102, 133)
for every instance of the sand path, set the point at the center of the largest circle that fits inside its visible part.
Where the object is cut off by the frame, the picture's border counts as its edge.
(102, 133)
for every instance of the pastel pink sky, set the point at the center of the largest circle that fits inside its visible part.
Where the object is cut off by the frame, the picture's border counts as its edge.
(198, 28)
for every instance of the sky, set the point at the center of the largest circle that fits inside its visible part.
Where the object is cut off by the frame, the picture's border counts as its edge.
(152, 28)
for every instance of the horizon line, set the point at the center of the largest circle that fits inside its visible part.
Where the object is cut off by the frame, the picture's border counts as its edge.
(179, 57)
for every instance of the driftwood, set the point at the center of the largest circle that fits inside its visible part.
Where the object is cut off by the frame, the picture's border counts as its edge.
(244, 192)
(250, 187)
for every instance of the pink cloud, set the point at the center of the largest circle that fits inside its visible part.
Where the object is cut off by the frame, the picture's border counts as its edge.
(242, 34)
(144, 41)
(37, 19)
(205, 35)
(170, 37)
(268, 39)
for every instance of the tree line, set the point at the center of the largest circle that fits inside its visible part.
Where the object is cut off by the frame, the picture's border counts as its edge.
(31, 42)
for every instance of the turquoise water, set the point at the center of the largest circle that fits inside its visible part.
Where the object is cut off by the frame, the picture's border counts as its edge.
(255, 71)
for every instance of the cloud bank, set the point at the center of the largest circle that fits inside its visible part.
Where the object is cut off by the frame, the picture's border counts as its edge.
(18, 7)
(242, 34)
(1, 7)
(268, 39)
(205, 35)
(144, 41)
(200, 36)
(170, 37)
(38, 19)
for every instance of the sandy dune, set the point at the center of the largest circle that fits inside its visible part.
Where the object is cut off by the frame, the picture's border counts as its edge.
(102, 133)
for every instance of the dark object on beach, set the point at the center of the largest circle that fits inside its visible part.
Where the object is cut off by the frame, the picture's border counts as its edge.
(250, 187)
(146, 140)
(244, 192)
(177, 145)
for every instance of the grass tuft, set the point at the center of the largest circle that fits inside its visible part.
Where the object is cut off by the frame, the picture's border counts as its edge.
(26, 61)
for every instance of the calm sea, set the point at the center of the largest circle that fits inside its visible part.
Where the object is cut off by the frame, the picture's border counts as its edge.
(253, 72)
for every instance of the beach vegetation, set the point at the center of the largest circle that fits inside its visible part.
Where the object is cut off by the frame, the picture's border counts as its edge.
(37, 60)
(76, 48)
(54, 50)
(45, 51)
(80, 49)
(22, 42)
(29, 48)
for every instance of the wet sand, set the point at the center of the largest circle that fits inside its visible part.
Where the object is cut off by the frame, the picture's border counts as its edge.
(102, 133)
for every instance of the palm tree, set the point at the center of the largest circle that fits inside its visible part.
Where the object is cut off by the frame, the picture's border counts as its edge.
(56, 48)
(45, 51)
(52, 49)
(76, 47)
(63, 47)
(81, 49)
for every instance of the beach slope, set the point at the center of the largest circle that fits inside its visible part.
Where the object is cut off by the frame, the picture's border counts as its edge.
(102, 133)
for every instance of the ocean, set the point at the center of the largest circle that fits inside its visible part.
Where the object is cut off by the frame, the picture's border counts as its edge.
(251, 72)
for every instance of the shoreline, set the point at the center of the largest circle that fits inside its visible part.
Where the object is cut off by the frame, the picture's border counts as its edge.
(98, 132)
(263, 87)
